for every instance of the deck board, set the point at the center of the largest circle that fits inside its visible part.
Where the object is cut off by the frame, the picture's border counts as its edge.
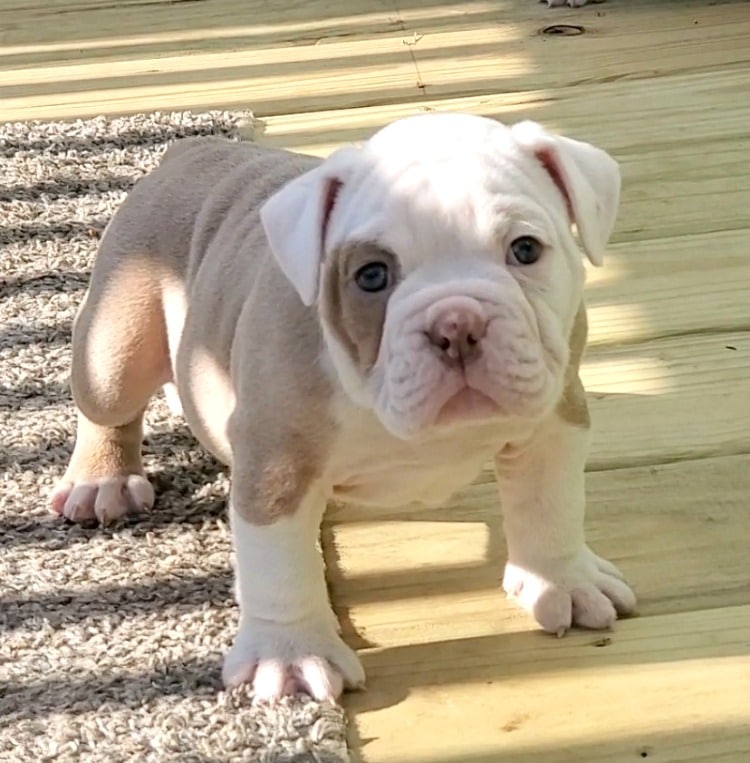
(523, 697)
(407, 576)
(456, 672)
(419, 594)
(694, 379)
(638, 118)
(408, 60)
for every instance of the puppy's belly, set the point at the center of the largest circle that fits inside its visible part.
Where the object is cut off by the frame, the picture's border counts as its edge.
(398, 485)
(370, 466)
(379, 470)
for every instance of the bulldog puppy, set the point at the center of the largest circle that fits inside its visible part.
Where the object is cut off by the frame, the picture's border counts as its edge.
(371, 328)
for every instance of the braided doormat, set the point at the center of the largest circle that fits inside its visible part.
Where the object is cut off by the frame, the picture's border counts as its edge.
(110, 639)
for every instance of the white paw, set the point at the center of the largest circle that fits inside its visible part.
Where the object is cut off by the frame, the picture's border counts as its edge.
(279, 659)
(103, 499)
(587, 590)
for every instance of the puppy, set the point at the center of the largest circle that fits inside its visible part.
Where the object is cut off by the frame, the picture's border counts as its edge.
(372, 328)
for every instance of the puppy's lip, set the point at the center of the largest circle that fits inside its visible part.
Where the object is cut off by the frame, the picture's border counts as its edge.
(468, 404)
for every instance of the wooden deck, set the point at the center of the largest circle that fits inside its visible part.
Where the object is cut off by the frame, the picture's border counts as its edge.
(456, 673)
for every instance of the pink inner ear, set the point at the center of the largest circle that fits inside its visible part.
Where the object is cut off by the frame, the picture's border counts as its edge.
(329, 200)
(547, 158)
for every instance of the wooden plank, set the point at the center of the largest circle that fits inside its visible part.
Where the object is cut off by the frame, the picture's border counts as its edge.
(672, 192)
(53, 31)
(670, 185)
(266, 62)
(639, 392)
(505, 56)
(516, 57)
(458, 673)
(670, 286)
(670, 688)
(412, 576)
(640, 115)
(348, 73)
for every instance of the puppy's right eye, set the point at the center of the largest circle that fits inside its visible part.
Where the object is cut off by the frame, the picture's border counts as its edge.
(372, 277)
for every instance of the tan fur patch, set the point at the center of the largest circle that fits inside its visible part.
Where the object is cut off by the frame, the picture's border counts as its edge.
(573, 406)
(102, 451)
(276, 483)
(278, 457)
(253, 390)
(280, 431)
(120, 355)
(355, 316)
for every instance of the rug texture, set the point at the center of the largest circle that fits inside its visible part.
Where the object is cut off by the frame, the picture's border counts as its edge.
(110, 639)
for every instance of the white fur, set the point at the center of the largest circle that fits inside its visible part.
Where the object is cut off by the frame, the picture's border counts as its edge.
(447, 194)
(550, 570)
(368, 465)
(287, 637)
(484, 181)
(522, 375)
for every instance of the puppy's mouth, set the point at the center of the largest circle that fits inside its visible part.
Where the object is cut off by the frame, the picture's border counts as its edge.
(468, 404)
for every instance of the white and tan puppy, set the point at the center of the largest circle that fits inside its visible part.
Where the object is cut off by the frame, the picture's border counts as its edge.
(371, 328)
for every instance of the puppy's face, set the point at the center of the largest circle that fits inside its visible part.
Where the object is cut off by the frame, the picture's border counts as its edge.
(448, 277)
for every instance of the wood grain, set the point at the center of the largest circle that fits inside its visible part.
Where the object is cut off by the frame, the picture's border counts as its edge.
(667, 688)
(328, 56)
(419, 594)
(417, 575)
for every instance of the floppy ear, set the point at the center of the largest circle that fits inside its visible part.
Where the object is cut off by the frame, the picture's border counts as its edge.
(588, 178)
(296, 217)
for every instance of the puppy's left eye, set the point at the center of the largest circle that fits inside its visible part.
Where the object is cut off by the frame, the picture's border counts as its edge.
(372, 277)
(525, 250)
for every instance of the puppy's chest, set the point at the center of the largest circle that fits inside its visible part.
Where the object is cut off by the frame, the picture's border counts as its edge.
(369, 466)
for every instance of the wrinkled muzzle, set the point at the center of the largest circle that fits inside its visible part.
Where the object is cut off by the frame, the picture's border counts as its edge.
(466, 350)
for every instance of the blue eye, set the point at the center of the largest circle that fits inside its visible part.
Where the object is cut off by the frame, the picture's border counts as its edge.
(372, 277)
(524, 251)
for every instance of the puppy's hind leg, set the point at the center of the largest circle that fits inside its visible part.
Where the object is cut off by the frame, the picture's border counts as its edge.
(120, 358)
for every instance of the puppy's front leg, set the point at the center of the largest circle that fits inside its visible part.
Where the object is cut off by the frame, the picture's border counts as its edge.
(288, 637)
(551, 571)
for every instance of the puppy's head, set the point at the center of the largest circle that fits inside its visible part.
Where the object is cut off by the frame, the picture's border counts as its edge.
(441, 257)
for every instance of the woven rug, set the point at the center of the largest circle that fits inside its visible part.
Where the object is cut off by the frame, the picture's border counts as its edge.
(110, 639)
